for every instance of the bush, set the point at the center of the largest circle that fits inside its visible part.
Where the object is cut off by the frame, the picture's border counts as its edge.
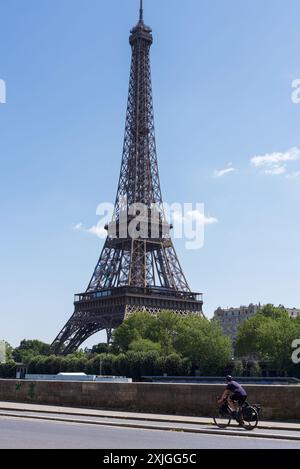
(255, 370)
(173, 365)
(122, 365)
(238, 369)
(7, 370)
(104, 363)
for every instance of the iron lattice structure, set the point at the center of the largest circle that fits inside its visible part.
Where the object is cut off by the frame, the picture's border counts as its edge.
(138, 272)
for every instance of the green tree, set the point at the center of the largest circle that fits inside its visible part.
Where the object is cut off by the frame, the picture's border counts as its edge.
(255, 370)
(9, 353)
(238, 369)
(28, 349)
(161, 330)
(134, 328)
(103, 363)
(164, 330)
(100, 348)
(267, 338)
(204, 344)
(145, 346)
(122, 365)
(193, 338)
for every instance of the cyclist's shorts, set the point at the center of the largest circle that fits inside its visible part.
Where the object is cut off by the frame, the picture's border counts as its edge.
(238, 398)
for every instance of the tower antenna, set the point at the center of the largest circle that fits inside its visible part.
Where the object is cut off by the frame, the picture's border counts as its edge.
(141, 11)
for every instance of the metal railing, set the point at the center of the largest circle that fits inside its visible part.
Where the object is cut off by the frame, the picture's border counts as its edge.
(149, 291)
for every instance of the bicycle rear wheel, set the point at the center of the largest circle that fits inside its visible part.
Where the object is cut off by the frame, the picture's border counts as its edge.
(250, 418)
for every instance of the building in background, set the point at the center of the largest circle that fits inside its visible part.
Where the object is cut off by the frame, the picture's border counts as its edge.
(293, 312)
(231, 318)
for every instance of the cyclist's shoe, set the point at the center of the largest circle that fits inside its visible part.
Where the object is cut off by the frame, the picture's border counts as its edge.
(239, 417)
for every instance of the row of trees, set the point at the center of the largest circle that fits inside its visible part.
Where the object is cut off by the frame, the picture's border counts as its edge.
(142, 345)
(149, 345)
(132, 364)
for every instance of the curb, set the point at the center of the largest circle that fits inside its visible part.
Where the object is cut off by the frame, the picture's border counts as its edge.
(267, 436)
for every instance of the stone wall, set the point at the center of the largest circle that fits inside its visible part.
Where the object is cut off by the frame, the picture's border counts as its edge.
(279, 402)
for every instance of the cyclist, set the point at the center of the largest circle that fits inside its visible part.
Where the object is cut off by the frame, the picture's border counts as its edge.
(236, 396)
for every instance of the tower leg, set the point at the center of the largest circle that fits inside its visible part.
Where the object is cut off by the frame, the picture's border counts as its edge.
(109, 332)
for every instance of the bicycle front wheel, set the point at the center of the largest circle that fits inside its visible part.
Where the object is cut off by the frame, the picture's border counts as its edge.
(222, 421)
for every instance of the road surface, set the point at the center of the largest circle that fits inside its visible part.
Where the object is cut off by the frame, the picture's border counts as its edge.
(19, 433)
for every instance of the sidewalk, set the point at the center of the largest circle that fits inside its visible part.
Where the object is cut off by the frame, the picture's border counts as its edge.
(80, 412)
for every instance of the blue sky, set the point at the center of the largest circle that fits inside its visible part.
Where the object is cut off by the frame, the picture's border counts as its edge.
(222, 75)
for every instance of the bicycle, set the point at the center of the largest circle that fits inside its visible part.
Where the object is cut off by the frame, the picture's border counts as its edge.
(247, 417)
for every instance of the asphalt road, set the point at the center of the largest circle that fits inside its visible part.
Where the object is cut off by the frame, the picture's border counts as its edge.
(18, 433)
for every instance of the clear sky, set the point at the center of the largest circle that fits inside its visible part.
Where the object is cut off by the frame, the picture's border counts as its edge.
(222, 79)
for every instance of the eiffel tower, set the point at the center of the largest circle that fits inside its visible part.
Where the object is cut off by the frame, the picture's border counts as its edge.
(138, 269)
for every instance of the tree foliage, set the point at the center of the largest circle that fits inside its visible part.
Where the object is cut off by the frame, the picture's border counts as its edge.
(29, 349)
(267, 338)
(195, 339)
(100, 348)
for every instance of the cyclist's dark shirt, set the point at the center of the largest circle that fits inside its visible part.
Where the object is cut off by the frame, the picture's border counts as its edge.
(236, 388)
